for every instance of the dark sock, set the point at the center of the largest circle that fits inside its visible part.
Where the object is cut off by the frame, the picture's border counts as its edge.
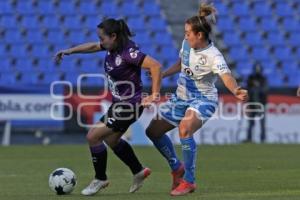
(125, 152)
(99, 158)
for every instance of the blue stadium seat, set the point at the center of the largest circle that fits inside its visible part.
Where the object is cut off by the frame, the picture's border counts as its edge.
(238, 53)
(222, 9)
(19, 50)
(92, 21)
(49, 78)
(151, 9)
(34, 36)
(294, 39)
(253, 39)
(275, 39)
(6, 8)
(283, 10)
(8, 21)
(66, 7)
(142, 38)
(244, 68)
(136, 24)
(5, 65)
(297, 53)
(163, 38)
(25, 8)
(168, 53)
(108, 8)
(76, 37)
(87, 8)
(268, 25)
(261, 9)
(275, 79)
(13, 36)
(260, 54)
(2, 50)
(24, 65)
(51, 22)
(240, 9)
(72, 77)
(291, 24)
(7, 78)
(72, 22)
(40, 51)
(30, 22)
(45, 8)
(225, 24)
(247, 24)
(157, 24)
(283, 54)
(55, 36)
(129, 9)
(268, 65)
(231, 39)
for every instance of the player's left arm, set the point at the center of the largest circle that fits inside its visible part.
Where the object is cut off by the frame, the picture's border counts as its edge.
(230, 82)
(154, 67)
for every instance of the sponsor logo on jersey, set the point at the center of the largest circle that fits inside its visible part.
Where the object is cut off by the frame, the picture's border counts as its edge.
(202, 60)
(188, 72)
(118, 60)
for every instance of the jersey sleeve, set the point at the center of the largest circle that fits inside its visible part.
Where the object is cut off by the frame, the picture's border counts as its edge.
(134, 57)
(219, 66)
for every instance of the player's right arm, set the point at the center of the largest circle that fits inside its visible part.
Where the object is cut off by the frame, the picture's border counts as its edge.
(89, 47)
(173, 69)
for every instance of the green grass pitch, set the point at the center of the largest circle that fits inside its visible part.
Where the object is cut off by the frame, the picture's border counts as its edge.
(237, 172)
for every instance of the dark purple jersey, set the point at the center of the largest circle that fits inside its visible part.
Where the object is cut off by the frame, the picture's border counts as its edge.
(123, 71)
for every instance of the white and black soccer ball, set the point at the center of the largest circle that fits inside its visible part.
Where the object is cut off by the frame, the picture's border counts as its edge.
(62, 181)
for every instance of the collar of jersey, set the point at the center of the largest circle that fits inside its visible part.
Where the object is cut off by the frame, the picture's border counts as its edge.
(199, 50)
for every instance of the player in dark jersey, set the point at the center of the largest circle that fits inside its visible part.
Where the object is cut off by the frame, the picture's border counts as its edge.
(123, 63)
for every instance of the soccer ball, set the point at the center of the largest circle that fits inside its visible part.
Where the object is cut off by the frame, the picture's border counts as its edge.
(62, 181)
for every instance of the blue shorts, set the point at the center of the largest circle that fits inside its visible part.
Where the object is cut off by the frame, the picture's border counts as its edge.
(174, 109)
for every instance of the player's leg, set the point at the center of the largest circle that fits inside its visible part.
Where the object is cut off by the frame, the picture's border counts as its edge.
(263, 127)
(251, 123)
(99, 158)
(156, 132)
(127, 114)
(125, 153)
(194, 118)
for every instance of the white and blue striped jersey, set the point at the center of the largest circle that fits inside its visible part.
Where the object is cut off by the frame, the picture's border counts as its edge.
(199, 71)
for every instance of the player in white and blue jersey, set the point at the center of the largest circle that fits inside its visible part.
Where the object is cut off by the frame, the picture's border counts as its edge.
(195, 100)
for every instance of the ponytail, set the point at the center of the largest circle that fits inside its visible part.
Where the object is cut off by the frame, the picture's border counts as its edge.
(204, 21)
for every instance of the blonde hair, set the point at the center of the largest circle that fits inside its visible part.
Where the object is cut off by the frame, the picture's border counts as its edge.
(206, 9)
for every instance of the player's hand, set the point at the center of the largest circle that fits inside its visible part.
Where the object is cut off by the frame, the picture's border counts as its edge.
(59, 56)
(147, 101)
(241, 94)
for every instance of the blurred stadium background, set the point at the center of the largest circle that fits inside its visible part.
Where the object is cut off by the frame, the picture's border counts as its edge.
(247, 31)
(31, 31)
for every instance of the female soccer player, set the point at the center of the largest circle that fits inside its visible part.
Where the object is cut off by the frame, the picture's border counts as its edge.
(123, 63)
(195, 100)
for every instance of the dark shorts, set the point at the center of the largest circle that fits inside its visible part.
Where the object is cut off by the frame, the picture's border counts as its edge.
(121, 115)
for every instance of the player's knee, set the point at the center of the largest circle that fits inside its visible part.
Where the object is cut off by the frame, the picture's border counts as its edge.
(185, 131)
(152, 133)
(91, 137)
(149, 132)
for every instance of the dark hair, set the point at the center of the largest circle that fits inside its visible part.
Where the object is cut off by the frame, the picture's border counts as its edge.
(120, 28)
(199, 24)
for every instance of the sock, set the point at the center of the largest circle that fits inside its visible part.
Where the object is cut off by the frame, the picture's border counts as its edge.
(125, 152)
(99, 158)
(189, 150)
(166, 148)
